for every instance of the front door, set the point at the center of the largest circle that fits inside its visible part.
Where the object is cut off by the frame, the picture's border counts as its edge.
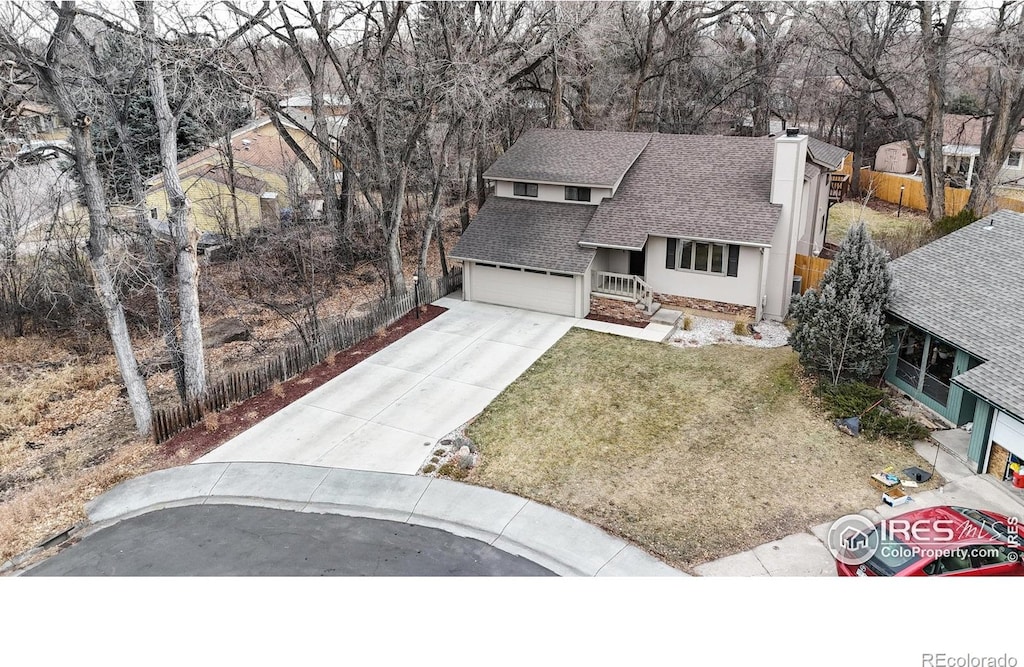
(636, 262)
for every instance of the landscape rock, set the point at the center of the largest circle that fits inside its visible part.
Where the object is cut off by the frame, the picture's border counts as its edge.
(466, 458)
(226, 330)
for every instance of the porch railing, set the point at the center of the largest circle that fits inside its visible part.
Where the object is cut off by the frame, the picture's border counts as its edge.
(623, 285)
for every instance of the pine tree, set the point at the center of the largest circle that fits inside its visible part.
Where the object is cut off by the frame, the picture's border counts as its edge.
(841, 330)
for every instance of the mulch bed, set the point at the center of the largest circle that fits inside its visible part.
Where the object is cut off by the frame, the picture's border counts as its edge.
(202, 438)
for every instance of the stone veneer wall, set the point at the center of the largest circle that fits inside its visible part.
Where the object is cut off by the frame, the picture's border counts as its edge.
(673, 301)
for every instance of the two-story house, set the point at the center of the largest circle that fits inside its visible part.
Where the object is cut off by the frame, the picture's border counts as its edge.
(705, 222)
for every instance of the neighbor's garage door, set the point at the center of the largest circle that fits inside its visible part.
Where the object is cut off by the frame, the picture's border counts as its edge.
(1008, 433)
(546, 292)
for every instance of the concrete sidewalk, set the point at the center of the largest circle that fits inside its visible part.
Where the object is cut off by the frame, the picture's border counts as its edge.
(805, 554)
(563, 544)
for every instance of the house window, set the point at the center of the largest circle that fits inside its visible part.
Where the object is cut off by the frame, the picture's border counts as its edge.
(573, 193)
(524, 189)
(704, 256)
(701, 256)
(1013, 160)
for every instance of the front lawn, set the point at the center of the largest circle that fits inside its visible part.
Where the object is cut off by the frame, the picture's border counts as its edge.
(692, 454)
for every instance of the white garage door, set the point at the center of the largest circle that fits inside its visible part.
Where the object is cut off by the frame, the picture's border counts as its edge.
(546, 292)
(1009, 434)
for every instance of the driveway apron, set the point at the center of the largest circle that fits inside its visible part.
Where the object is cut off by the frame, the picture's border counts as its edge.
(386, 413)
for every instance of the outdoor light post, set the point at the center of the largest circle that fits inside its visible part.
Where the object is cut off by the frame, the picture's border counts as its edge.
(416, 288)
(900, 209)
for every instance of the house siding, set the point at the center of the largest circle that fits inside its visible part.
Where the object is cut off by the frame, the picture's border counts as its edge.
(551, 193)
(741, 290)
(976, 451)
(811, 237)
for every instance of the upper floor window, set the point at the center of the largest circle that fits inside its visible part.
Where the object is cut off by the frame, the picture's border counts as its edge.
(524, 189)
(1013, 160)
(573, 193)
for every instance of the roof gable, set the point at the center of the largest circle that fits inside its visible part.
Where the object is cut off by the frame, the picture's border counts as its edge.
(692, 186)
(534, 234)
(825, 154)
(573, 157)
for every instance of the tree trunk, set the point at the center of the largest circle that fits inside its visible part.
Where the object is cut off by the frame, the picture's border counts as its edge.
(52, 82)
(164, 310)
(860, 130)
(392, 224)
(103, 282)
(229, 154)
(183, 233)
(935, 31)
(154, 265)
(1006, 81)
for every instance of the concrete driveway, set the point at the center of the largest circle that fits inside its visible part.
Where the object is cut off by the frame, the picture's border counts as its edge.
(386, 413)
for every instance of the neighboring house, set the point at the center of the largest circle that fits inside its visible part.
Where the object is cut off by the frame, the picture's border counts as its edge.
(705, 222)
(268, 178)
(958, 346)
(300, 108)
(961, 146)
(34, 120)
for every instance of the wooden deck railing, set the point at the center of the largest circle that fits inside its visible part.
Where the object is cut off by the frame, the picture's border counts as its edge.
(624, 285)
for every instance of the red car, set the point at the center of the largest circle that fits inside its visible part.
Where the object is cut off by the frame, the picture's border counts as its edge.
(939, 541)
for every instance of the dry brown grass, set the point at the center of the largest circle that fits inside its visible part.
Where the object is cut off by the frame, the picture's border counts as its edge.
(58, 502)
(693, 454)
(66, 433)
(211, 421)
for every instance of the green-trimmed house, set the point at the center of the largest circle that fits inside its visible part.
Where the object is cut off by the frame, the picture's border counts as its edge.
(958, 345)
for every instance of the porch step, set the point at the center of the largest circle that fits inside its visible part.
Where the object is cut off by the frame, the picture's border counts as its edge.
(649, 311)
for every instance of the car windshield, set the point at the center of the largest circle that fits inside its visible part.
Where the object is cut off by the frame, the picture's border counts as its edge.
(990, 525)
(890, 555)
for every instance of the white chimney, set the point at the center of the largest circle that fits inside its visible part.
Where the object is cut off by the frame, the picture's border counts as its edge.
(787, 191)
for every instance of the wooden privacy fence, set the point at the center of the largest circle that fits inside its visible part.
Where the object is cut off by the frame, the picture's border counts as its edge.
(333, 336)
(810, 269)
(887, 188)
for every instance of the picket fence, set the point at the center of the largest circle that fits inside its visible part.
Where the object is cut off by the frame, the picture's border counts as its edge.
(334, 336)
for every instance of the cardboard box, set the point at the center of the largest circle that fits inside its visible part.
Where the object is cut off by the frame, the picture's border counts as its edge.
(895, 498)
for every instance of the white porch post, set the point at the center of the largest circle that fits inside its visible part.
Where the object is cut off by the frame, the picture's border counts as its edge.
(970, 172)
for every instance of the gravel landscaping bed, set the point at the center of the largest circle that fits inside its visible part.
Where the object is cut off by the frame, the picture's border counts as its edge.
(708, 331)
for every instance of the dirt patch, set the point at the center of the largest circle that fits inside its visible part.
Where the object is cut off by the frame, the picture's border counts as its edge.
(189, 445)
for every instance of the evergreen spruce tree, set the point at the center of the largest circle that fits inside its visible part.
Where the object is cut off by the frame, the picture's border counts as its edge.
(841, 331)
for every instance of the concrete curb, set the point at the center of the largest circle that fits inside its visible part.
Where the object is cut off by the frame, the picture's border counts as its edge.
(562, 543)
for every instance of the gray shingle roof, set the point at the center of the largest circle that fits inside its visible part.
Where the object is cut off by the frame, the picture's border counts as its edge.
(968, 288)
(569, 156)
(534, 234)
(704, 187)
(826, 154)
